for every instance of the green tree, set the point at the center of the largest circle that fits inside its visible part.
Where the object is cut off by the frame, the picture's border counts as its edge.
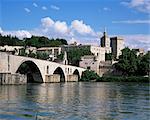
(144, 64)
(108, 56)
(74, 55)
(88, 75)
(60, 56)
(22, 52)
(42, 41)
(127, 62)
(43, 56)
(35, 41)
(9, 40)
(31, 54)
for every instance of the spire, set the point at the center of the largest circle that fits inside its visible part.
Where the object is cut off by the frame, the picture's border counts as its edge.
(105, 33)
(105, 29)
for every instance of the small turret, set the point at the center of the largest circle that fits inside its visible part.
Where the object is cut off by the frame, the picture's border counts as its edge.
(65, 60)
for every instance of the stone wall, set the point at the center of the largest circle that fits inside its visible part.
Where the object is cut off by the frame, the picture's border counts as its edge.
(105, 68)
(11, 79)
(52, 78)
(72, 78)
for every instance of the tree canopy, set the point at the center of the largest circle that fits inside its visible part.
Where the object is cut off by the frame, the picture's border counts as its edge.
(11, 41)
(88, 75)
(108, 56)
(132, 65)
(74, 55)
(35, 41)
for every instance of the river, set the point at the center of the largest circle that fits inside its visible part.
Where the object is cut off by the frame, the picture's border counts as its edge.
(75, 101)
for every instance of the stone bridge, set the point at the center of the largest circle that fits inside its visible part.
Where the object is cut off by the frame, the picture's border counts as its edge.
(38, 70)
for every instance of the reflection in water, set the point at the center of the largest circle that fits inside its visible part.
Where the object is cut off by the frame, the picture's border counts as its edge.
(77, 101)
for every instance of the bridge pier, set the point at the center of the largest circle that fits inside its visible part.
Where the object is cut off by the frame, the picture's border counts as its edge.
(52, 78)
(72, 78)
(12, 79)
(56, 78)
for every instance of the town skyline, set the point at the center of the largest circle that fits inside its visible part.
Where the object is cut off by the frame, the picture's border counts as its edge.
(81, 21)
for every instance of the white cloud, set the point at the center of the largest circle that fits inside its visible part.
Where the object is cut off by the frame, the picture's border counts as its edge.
(140, 5)
(47, 22)
(81, 28)
(54, 26)
(1, 30)
(137, 41)
(61, 27)
(72, 40)
(44, 8)
(133, 21)
(106, 9)
(27, 10)
(19, 33)
(76, 27)
(77, 31)
(35, 5)
(55, 7)
(55, 29)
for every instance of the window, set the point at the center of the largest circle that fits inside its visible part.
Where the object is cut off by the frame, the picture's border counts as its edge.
(56, 51)
(88, 67)
(47, 70)
(65, 62)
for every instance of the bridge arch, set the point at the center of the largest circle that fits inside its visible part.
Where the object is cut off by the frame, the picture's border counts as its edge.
(31, 70)
(60, 71)
(76, 72)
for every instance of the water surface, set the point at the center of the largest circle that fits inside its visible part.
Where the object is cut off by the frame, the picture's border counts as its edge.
(75, 101)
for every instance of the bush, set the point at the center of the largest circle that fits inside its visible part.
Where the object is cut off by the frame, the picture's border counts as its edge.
(89, 76)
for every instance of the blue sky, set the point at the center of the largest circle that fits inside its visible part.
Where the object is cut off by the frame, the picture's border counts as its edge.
(78, 20)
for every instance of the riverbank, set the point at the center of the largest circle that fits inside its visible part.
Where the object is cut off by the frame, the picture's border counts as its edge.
(123, 79)
(91, 76)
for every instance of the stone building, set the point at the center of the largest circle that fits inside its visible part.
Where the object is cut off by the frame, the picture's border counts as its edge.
(30, 49)
(65, 60)
(51, 51)
(112, 45)
(139, 51)
(97, 51)
(11, 49)
(105, 42)
(117, 44)
(91, 62)
(97, 62)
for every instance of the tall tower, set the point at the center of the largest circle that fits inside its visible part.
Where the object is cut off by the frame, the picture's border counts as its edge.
(105, 40)
(65, 60)
(117, 44)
